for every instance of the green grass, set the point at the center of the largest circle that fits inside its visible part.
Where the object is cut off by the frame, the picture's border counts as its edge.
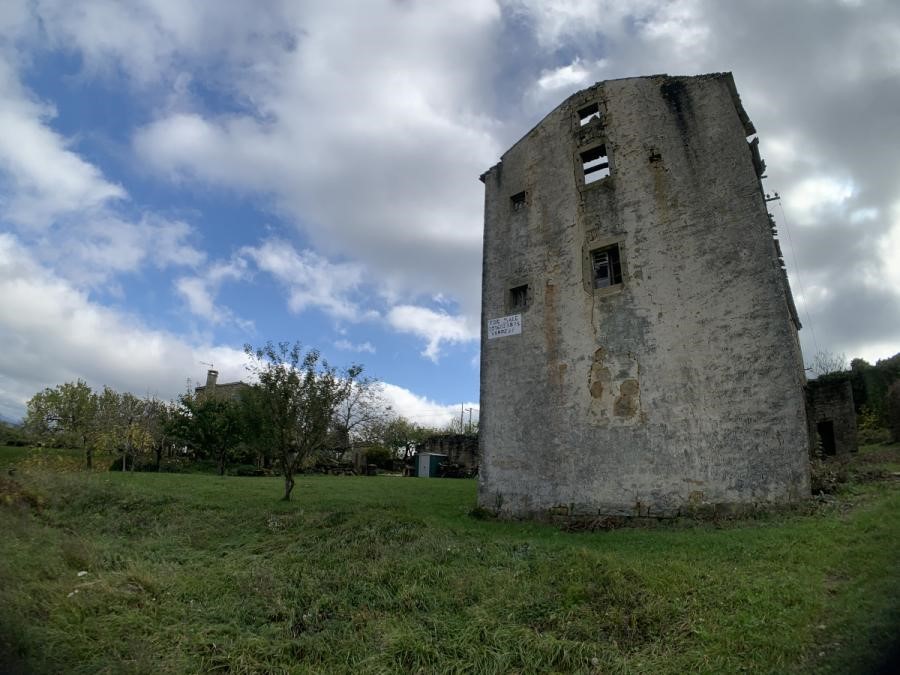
(196, 573)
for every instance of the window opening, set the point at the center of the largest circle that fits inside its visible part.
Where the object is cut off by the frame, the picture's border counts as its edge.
(589, 113)
(595, 164)
(518, 201)
(606, 267)
(518, 298)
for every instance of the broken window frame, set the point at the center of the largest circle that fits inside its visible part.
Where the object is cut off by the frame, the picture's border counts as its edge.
(608, 260)
(519, 298)
(588, 114)
(598, 159)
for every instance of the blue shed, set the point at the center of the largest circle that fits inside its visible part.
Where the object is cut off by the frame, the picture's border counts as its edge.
(427, 463)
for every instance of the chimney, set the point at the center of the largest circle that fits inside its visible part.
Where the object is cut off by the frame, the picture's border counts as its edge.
(211, 377)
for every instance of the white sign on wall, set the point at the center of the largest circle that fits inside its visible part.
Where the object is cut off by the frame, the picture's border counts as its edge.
(504, 325)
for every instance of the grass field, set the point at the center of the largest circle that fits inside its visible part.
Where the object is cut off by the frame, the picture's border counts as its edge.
(154, 573)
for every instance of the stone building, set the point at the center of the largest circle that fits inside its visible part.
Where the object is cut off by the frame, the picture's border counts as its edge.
(639, 339)
(831, 415)
(229, 390)
(461, 449)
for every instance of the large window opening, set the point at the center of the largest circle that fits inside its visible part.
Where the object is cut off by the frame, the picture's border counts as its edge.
(606, 267)
(595, 164)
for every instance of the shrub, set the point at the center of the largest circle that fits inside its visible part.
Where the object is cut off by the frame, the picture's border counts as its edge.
(381, 457)
(827, 474)
(246, 470)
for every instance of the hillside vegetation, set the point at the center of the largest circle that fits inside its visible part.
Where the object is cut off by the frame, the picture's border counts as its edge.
(183, 573)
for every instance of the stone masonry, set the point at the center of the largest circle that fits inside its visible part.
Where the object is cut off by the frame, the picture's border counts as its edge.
(831, 415)
(639, 339)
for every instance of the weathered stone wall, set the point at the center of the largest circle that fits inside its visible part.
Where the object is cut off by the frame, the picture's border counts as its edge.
(682, 384)
(831, 401)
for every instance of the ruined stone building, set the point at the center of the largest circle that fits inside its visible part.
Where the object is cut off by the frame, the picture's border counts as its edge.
(831, 416)
(460, 449)
(639, 339)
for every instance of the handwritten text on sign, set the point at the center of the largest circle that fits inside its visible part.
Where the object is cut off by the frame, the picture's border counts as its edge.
(505, 325)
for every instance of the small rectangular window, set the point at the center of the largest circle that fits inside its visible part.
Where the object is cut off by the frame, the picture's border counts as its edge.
(517, 201)
(595, 164)
(606, 267)
(518, 298)
(589, 113)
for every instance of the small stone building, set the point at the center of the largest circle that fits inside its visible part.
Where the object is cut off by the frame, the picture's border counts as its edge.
(460, 449)
(639, 338)
(228, 390)
(831, 415)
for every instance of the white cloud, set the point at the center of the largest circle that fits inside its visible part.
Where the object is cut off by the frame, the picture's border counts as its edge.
(557, 22)
(564, 76)
(200, 291)
(66, 208)
(348, 346)
(44, 178)
(90, 252)
(369, 135)
(435, 327)
(812, 195)
(53, 333)
(311, 280)
(423, 410)
(150, 39)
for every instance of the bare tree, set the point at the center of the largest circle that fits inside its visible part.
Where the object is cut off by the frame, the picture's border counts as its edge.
(358, 419)
(824, 363)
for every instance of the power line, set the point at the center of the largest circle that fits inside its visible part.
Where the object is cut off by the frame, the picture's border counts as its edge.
(797, 274)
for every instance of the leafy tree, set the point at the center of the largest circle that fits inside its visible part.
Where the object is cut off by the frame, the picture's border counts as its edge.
(209, 424)
(13, 434)
(870, 386)
(403, 435)
(159, 421)
(253, 432)
(892, 410)
(65, 413)
(299, 396)
(121, 425)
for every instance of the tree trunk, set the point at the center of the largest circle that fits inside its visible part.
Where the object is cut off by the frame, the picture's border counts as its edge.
(221, 463)
(88, 457)
(288, 486)
(159, 451)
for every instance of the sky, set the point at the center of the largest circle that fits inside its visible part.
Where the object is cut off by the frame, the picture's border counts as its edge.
(178, 179)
